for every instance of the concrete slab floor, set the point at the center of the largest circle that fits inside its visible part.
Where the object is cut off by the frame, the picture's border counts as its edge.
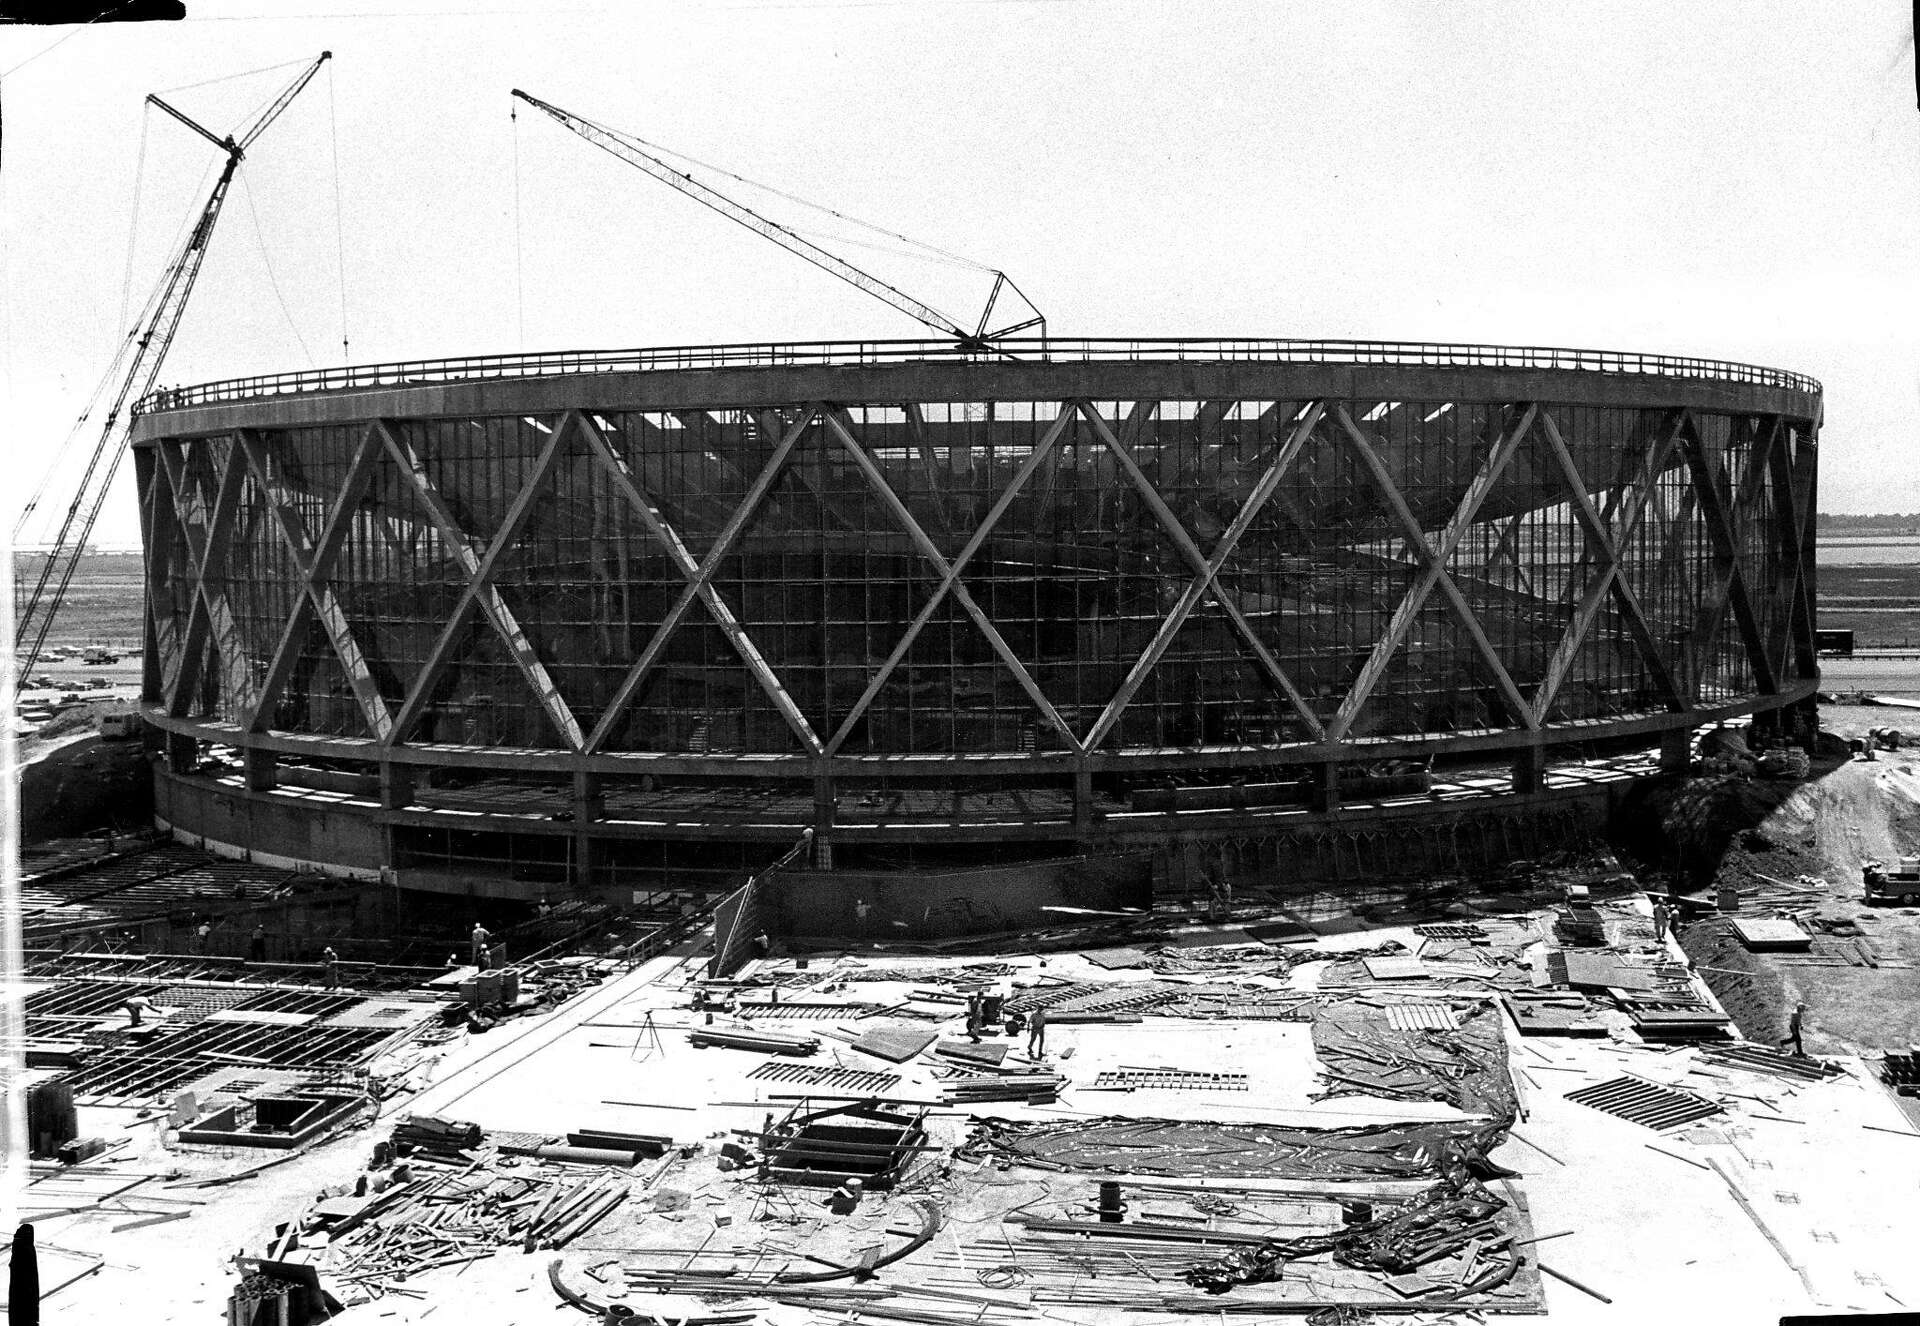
(1661, 1234)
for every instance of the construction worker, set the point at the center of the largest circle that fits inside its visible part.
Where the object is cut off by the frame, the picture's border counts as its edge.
(135, 1006)
(862, 909)
(543, 909)
(1794, 1020)
(1662, 920)
(480, 937)
(1037, 1034)
(762, 946)
(331, 961)
(257, 944)
(200, 936)
(973, 1017)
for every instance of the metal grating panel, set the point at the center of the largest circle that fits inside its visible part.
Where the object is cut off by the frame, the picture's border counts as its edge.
(819, 1075)
(1422, 1017)
(1644, 1103)
(1170, 1079)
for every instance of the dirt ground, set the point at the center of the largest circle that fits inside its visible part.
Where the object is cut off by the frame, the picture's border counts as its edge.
(1824, 828)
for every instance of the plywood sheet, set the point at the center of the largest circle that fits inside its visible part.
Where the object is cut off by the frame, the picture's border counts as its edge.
(896, 1044)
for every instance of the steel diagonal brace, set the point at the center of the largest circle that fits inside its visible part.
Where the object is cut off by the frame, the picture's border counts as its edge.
(189, 519)
(480, 589)
(314, 561)
(162, 527)
(1416, 538)
(916, 427)
(950, 576)
(1434, 559)
(1202, 585)
(1730, 589)
(1605, 545)
(1191, 551)
(1797, 652)
(700, 584)
(211, 615)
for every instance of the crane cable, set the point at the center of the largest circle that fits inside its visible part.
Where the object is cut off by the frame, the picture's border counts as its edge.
(133, 220)
(228, 78)
(956, 258)
(519, 282)
(115, 370)
(339, 231)
(266, 260)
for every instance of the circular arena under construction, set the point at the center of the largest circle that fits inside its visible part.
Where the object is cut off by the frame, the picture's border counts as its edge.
(1070, 615)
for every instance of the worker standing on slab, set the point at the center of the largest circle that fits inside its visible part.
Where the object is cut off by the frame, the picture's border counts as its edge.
(862, 909)
(200, 936)
(331, 961)
(480, 938)
(1037, 1034)
(1794, 1019)
(1662, 920)
(257, 945)
(973, 1017)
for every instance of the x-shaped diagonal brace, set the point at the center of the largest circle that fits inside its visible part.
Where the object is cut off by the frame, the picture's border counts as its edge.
(1435, 560)
(1604, 545)
(1729, 584)
(479, 591)
(1196, 559)
(207, 542)
(1435, 565)
(162, 529)
(1203, 584)
(699, 576)
(949, 573)
(313, 561)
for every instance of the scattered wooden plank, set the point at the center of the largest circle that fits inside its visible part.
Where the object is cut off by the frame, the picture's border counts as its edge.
(1564, 1278)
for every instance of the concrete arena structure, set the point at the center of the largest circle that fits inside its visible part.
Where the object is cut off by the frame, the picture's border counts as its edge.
(632, 621)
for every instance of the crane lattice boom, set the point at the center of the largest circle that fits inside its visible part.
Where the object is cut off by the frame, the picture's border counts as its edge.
(630, 151)
(137, 366)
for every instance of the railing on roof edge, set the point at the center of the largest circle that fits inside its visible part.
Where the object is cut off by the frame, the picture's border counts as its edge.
(426, 372)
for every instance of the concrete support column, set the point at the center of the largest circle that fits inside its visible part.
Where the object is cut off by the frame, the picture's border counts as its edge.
(1529, 769)
(263, 767)
(1082, 802)
(1676, 750)
(1323, 788)
(589, 797)
(183, 753)
(825, 806)
(589, 807)
(396, 786)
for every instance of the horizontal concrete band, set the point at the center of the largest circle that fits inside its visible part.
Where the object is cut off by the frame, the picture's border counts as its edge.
(947, 767)
(735, 388)
(187, 800)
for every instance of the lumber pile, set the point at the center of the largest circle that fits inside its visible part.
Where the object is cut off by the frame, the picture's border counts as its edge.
(428, 1211)
(764, 1042)
(1771, 1062)
(1036, 1086)
(421, 1132)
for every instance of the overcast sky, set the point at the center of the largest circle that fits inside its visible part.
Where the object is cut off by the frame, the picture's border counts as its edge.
(1733, 180)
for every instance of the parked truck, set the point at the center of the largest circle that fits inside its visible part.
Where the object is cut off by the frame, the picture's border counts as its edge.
(1894, 881)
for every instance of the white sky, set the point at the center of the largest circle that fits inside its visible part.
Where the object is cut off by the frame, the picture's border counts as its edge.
(1736, 180)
